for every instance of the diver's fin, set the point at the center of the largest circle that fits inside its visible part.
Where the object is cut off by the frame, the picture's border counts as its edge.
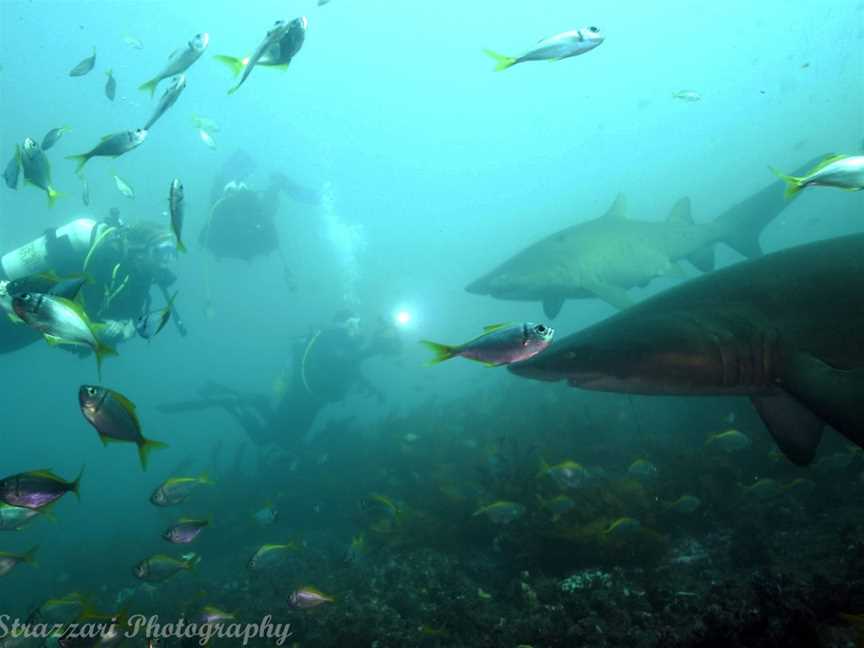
(795, 428)
(617, 210)
(552, 306)
(703, 259)
(612, 295)
(835, 395)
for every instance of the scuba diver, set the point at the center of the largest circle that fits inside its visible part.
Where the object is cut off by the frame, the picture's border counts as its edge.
(121, 264)
(242, 220)
(325, 367)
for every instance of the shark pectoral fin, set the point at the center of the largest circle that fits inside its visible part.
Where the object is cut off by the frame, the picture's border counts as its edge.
(835, 395)
(552, 306)
(612, 295)
(796, 430)
(703, 259)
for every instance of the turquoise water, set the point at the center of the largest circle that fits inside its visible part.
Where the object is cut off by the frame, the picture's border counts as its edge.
(428, 169)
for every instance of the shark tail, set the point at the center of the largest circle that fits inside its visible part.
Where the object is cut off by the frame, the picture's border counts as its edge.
(442, 351)
(741, 225)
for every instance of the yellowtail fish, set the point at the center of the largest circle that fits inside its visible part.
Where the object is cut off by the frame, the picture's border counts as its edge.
(9, 561)
(36, 489)
(178, 489)
(309, 597)
(37, 169)
(114, 417)
(840, 171)
(567, 474)
(500, 344)
(554, 48)
(501, 512)
(160, 567)
(179, 61)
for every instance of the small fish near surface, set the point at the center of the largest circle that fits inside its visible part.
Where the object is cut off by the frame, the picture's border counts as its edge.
(36, 489)
(280, 53)
(61, 321)
(840, 171)
(112, 146)
(207, 139)
(160, 568)
(13, 169)
(185, 531)
(168, 98)
(687, 95)
(110, 86)
(114, 417)
(149, 324)
(272, 39)
(205, 124)
(9, 561)
(53, 136)
(179, 61)
(84, 66)
(500, 344)
(178, 489)
(176, 205)
(555, 48)
(37, 169)
(124, 187)
(133, 42)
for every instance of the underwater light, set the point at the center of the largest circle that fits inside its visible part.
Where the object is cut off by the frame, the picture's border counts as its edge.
(403, 317)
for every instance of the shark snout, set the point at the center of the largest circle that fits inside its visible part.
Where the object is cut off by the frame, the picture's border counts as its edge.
(478, 287)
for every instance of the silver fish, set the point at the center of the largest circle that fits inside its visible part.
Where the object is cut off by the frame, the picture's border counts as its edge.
(176, 204)
(123, 187)
(279, 29)
(52, 136)
(84, 66)
(500, 344)
(179, 61)
(110, 86)
(178, 84)
(555, 48)
(113, 145)
(13, 169)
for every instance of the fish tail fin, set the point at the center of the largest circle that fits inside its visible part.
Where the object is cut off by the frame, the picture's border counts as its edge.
(233, 63)
(180, 246)
(108, 72)
(53, 195)
(793, 184)
(149, 86)
(102, 351)
(204, 478)
(234, 89)
(75, 486)
(502, 62)
(442, 351)
(29, 556)
(144, 449)
(80, 159)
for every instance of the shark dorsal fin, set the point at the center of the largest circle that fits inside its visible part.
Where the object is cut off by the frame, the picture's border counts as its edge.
(681, 212)
(618, 210)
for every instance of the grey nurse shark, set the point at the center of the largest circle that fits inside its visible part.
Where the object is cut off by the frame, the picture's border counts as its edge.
(611, 254)
(786, 330)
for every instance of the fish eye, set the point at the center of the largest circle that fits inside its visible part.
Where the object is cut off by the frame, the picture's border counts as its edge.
(91, 391)
(593, 30)
(540, 328)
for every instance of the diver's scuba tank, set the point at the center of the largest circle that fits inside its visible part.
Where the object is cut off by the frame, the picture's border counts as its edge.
(62, 250)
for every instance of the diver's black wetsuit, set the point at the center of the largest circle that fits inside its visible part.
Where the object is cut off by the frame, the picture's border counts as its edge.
(325, 367)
